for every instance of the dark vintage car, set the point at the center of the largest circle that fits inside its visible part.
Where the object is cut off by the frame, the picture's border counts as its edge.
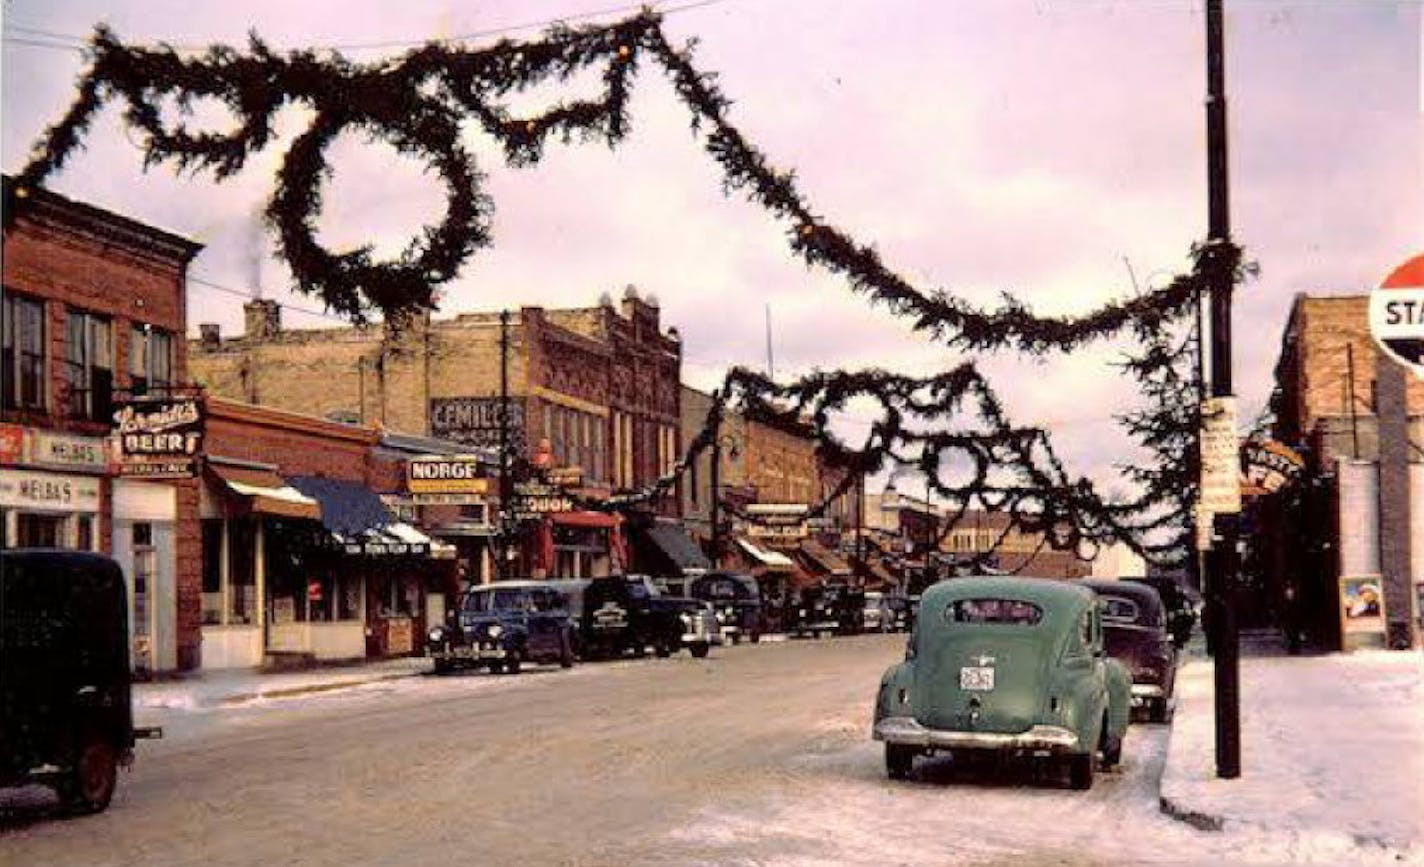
(1010, 666)
(735, 598)
(66, 713)
(624, 614)
(826, 609)
(503, 625)
(1177, 600)
(900, 611)
(1135, 631)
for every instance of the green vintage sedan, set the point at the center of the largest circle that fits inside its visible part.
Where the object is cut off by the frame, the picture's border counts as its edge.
(1012, 665)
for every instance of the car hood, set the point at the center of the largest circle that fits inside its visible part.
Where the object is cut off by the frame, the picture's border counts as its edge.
(479, 621)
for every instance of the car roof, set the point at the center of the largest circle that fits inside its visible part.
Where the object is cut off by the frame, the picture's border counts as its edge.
(527, 584)
(1044, 591)
(1133, 590)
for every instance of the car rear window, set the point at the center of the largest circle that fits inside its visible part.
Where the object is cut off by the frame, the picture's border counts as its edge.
(1014, 612)
(1119, 610)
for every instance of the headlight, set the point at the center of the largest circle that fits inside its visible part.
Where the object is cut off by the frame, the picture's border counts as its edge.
(802, 612)
(685, 618)
(721, 618)
(495, 631)
(437, 635)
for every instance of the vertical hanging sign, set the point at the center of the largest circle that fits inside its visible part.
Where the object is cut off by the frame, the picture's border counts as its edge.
(1220, 457)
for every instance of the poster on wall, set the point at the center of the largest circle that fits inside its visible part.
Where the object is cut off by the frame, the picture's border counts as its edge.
(1362, 611)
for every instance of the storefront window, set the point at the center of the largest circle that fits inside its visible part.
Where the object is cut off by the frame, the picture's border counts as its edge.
(22, 352)
(88, 366)
(242, 572)
(212, 571)
(348, 599)
(39, 531)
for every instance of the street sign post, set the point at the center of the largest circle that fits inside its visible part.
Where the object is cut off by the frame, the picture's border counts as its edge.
(1220, 457)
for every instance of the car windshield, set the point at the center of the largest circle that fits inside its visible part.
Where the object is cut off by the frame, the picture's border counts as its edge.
(1119, 610)
(1009, 611)
(497, 600)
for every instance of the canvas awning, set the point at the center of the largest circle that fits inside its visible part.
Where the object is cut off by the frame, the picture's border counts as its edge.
(824, 560)
(359, 521)
(258, 491)
(678, 553)
(772, 560)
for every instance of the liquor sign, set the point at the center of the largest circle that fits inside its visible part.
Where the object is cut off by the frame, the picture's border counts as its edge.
(477, 421)
(1397, 315)
(158, 437)
(536, 499)
(564, 477)
(1220, 457)
(439, 474)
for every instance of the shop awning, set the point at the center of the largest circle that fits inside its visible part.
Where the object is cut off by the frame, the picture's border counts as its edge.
(347, 508)
(414, 536)
(262, 492)
(824, 560)
(770, 559)
(597, 520)
(670, 544)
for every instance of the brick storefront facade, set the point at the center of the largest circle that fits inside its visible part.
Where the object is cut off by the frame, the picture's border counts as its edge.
(600, 383)
(95, 302)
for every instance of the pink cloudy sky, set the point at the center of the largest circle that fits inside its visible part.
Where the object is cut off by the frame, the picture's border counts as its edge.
(983, 146)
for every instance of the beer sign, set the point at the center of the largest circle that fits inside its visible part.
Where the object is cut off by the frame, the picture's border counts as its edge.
(158, 437)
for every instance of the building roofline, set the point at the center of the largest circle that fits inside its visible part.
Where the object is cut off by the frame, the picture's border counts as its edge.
(139, 237)
(251, 413)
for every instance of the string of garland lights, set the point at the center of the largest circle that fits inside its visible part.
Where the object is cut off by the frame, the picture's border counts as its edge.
(416, 103)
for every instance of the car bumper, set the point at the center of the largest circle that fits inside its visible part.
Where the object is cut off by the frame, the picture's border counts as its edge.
(908, 732)
(466, 653)
(1141, 692)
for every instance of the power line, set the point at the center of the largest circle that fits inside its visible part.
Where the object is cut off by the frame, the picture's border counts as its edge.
(252, 295)
(75, 42)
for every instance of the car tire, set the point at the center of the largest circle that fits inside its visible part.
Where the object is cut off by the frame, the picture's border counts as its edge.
(700, 649)
(514, 662)
(1158, 711)
(89, 786)
(755, 636)
(443, 666)
(566, 655)
(661, 650)
(899, 761)
(1080, 771)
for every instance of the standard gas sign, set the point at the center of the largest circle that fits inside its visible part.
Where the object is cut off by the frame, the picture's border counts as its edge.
(1397, 314)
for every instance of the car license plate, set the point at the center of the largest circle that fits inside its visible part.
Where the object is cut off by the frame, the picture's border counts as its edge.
(976, 677)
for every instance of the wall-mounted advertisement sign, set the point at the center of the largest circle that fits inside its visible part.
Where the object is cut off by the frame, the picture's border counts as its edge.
(477, 421)
(158, 437)
(440, 474)
(50, 449)
(1270, 465)
(1397, 315)
(1362, 621)
(20, 489)
(536, 499)
(1220, 457)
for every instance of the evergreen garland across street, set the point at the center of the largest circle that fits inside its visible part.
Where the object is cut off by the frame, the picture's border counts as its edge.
(417, 102)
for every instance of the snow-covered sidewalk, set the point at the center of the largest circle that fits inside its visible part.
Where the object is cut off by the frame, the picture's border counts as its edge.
(226, 688)
(1332, 751)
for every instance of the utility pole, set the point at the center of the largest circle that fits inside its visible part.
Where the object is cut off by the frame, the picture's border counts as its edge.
(860, 527)
(716, 479)
(1223, 556)
(505, 486)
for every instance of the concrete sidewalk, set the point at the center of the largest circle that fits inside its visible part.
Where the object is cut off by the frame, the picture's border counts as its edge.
(1332, 752)
(221, 688)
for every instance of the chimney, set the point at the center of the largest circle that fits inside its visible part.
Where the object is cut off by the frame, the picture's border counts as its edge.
(210, 335)
(262, 318)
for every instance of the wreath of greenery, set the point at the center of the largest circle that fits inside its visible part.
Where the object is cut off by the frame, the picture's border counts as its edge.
(416, 103)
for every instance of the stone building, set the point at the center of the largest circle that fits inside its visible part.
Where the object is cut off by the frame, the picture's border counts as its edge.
(595, 388)
(94, 311)
(1343, 552)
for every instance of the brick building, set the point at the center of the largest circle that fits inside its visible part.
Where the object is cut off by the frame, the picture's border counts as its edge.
(94, 309)
(1341, 557)
(598, 386)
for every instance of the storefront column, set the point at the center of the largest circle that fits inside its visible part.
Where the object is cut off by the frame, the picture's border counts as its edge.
(259, 569)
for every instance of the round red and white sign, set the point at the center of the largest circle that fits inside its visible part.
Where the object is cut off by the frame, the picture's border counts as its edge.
(1397, 314)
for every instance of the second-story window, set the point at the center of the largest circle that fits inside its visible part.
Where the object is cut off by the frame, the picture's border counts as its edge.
(22, 353)
(151, 360)
(89, 365)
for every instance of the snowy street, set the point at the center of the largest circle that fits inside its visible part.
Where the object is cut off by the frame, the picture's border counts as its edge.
(759, 755)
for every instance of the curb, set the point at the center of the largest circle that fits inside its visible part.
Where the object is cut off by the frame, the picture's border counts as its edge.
(291, 691)
(1197, 819)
